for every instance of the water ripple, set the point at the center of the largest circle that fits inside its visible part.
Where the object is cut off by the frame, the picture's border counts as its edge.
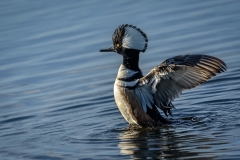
(56, 89)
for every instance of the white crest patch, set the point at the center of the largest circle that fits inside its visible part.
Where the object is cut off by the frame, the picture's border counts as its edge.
(134, 38)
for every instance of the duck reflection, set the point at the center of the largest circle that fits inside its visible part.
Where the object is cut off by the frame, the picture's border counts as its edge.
(157, 143)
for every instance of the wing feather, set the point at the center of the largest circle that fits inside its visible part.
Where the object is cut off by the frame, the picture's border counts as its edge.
(145, 96)
(176, 74)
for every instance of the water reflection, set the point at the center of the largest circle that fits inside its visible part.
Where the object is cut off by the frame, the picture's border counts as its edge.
(161, 143)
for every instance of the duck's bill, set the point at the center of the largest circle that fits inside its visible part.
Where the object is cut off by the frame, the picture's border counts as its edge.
(107, 50)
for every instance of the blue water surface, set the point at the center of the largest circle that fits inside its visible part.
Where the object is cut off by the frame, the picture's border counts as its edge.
(56, 88)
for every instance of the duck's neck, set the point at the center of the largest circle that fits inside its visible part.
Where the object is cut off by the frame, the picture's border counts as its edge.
(131, 59)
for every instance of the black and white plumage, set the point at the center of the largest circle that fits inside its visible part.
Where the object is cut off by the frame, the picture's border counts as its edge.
(138, 96)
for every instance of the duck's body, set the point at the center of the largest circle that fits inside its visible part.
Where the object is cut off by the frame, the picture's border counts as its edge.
(138, 96)
(125, 88)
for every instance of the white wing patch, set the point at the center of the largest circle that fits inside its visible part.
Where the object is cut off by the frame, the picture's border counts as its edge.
(145, 96)
(133, 39)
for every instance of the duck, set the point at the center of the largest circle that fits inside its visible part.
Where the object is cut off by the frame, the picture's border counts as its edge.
(139, 98)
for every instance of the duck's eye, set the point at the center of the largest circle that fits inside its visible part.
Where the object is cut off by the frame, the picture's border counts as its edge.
(118, 45)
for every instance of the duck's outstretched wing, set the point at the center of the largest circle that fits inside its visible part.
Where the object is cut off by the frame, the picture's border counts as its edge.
(176, 74)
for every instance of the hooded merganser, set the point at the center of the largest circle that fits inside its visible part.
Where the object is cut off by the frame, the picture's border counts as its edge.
(138, 96)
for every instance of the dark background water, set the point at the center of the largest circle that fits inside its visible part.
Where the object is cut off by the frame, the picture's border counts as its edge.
(56, 89)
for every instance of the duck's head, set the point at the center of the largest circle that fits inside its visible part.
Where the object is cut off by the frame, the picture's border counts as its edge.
(128, 37)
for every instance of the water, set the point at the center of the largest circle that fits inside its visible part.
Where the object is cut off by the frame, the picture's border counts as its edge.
(56, 89)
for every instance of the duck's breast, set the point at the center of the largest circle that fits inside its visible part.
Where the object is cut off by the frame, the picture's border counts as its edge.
(130, 106)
